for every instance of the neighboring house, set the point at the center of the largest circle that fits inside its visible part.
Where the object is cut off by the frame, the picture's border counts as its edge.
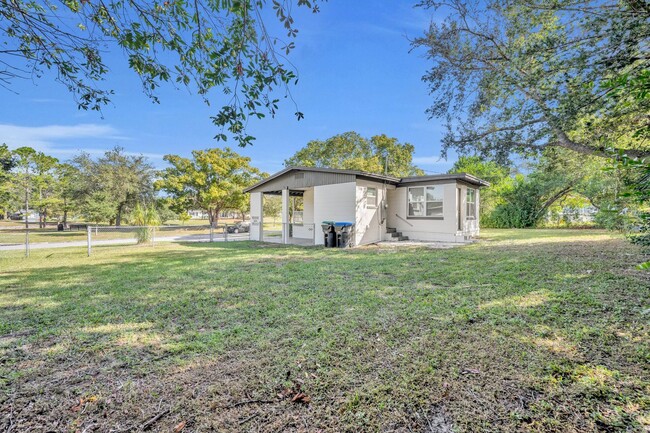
(428, 208)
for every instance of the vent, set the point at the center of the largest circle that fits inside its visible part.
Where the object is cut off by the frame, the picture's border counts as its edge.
(299, 176)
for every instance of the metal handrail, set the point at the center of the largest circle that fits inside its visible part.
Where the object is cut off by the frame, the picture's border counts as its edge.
(404, 219)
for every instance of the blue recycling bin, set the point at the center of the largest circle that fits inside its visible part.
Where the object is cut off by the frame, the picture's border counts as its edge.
(344, 232)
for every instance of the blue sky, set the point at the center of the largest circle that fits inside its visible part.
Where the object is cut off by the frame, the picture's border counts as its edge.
(356, 73)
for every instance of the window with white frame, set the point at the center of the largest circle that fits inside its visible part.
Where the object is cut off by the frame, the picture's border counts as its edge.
(425, 202)
(470, 204)
(371, 197)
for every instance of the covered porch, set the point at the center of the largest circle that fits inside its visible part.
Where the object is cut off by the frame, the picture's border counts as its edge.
(296, 226)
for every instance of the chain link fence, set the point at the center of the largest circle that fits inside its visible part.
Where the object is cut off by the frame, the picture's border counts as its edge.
(20, 239)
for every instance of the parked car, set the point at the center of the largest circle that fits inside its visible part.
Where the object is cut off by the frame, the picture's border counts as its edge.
(240, 227)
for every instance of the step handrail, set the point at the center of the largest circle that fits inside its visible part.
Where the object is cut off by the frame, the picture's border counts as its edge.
(404, 219)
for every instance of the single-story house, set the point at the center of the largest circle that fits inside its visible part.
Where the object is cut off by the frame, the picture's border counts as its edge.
(443, 207)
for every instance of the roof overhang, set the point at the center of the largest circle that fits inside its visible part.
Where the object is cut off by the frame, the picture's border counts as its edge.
(462, 177)
(406, 181)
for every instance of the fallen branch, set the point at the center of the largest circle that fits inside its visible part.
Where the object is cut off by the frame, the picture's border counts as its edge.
(242, 403)
(242, 422)
(147, 425)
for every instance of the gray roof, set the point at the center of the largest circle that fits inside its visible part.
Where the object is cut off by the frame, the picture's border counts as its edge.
(465, 177)
(468, 178)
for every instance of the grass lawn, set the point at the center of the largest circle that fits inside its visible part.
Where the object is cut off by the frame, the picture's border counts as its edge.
(529, 330)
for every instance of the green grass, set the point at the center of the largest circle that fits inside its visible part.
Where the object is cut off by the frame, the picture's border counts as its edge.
(528, 330)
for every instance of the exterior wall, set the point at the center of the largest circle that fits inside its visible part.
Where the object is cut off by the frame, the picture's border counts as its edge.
(333, 203)
(256, 216)
(307, 230)
(370, 224)
(443, 230)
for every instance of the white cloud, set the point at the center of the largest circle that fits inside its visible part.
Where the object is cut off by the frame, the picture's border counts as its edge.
(65, 140)
(43, 137)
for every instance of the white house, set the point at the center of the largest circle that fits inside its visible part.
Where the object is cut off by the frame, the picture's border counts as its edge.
(428, 208)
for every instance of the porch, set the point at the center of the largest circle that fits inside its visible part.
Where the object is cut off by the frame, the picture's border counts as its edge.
(296, 226)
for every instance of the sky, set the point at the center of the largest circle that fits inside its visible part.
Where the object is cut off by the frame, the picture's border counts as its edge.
(356, 73)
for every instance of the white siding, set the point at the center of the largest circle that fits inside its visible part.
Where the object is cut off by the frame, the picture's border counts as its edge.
(334, 203)
(445, 229)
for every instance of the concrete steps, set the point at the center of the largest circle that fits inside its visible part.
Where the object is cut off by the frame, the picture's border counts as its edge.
(395, 235)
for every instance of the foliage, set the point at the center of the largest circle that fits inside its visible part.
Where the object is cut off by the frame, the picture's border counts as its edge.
(122, 179)
(146, 217)
(97, 207)
(7, 162)
(202, 45)
(497, 174)
(272, 206)
(528, 76)
(353, 152)
(213, 180)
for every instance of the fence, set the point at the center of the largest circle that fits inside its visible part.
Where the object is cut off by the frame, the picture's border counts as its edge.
(92, 237)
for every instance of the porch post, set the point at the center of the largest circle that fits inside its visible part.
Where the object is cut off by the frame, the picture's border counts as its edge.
(257, 216)
(285, 216)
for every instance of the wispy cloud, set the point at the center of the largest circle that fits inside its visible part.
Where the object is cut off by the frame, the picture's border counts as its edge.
(64, 140)
(43, 137)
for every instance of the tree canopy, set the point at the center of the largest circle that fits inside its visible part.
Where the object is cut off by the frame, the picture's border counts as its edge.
(213, 180)
(204, 45)
(353, 152)
(525, 76)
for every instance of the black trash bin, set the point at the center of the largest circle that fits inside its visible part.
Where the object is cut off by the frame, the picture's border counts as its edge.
(343, 233)
(329, 235)
(59, 227)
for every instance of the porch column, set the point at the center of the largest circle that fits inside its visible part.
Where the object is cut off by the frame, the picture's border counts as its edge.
(285, 216)
(257, 216)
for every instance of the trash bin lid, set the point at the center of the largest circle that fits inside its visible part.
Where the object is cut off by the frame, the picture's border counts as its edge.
(343, 224)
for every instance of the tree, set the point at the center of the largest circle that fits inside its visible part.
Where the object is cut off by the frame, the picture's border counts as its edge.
(491, 171)
(206, 44)
(353, 152)
(121, 180)
(213, 180)
(68, 186)
(7, 163)
(128, 179)
(24, 157)
(526, 76)
(45, 186)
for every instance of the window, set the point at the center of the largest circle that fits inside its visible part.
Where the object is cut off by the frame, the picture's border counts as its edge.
(471, 204)
(425, 202)
(371, 197)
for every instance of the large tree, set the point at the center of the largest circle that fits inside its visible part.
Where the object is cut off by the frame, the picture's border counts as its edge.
(354, 152)
(528, 75)
(222, 44)
(213, 180)
(121, 180)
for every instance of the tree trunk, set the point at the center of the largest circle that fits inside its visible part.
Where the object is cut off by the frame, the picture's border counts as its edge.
(65, 213)
(555, 197)
(118, 216)
(216, 217)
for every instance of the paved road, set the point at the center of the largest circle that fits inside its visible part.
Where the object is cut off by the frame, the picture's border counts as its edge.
(179, 238)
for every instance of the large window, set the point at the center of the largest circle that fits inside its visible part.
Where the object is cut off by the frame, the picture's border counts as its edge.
(471, 204)
(425, 202)
(371, 197)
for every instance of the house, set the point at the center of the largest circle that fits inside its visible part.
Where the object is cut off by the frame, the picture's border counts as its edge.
(427, 208)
